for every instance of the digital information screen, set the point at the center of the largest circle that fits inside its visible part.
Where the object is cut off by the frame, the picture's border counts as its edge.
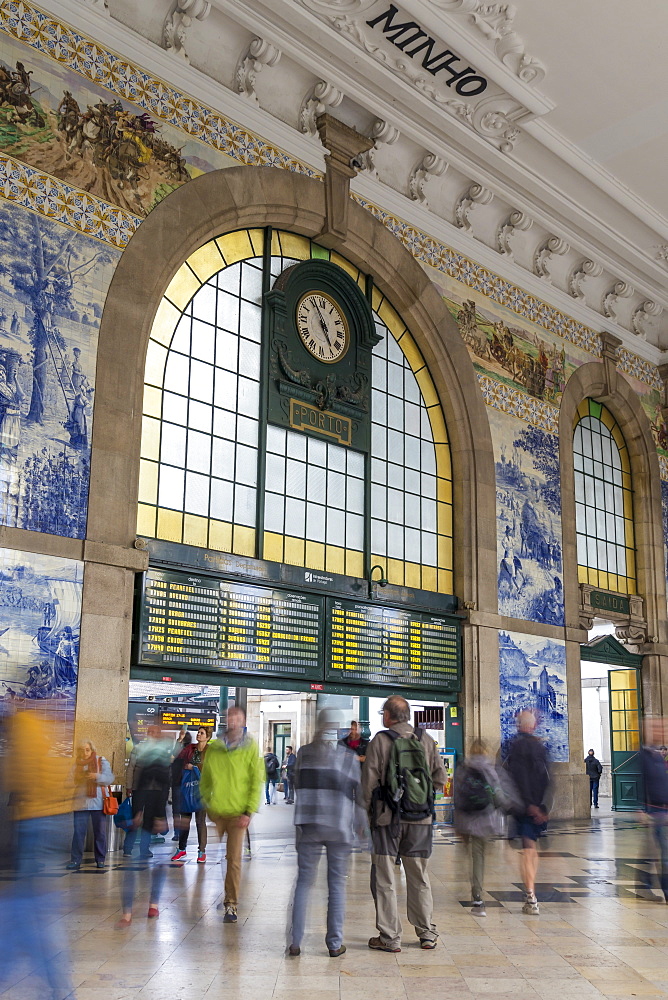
(199, 622)
(184, 717)
(380, 645)
(188, 620)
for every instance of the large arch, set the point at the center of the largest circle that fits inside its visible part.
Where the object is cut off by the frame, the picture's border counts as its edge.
(237, 197)
(601, 381)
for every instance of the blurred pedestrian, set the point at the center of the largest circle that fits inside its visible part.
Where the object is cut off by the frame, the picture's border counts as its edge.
(594, 770)
(38, 783)
(480, 801)
(355, 741)
(148, 782)
(176, 776)
(655, 778)
(150, 791)
(231, 786)
(527, 763)
(390, 800)
(92, 773)
(193, 758)
(272, 768)
(328, 816)
(289, 764)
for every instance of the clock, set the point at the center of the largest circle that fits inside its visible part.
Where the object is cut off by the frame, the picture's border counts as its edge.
(322, 327)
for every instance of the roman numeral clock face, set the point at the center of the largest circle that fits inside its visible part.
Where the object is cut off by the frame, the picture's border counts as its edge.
(322, 327)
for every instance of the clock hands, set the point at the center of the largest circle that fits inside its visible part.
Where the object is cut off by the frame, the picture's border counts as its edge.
(323, 324)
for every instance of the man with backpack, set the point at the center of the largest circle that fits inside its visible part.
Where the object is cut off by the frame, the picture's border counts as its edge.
(401, 771)
(272, 769)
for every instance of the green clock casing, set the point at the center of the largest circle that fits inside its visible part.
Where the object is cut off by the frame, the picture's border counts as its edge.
(321, 336)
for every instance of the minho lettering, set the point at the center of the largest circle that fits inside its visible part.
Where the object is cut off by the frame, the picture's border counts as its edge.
(466, 81)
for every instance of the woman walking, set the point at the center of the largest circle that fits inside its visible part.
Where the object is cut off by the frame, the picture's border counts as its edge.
(91, 774)
(191, 757)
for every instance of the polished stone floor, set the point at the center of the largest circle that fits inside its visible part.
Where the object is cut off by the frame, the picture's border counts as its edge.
(594, 937)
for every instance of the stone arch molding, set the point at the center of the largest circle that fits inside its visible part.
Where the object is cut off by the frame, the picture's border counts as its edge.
(604, 383)
(240, 197)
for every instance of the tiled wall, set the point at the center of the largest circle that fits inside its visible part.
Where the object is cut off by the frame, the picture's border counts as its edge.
(40, 615)
(532, 674)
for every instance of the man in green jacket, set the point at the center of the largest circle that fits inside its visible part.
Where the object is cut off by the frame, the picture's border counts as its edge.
(230, 788)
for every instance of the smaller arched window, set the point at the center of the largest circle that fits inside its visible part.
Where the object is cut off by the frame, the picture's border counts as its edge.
(603, 501)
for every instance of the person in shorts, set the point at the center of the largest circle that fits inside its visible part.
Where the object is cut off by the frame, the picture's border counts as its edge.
(528, 765)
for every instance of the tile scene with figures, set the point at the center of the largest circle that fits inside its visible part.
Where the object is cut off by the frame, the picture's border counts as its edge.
(40, 622)
(532, 675)
(528, 498)
(52, 289)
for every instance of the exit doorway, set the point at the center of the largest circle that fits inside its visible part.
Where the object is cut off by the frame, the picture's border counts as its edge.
(282, 738)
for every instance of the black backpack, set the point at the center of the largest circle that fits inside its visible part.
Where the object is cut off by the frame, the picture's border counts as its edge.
(271, 765)
(473, 793)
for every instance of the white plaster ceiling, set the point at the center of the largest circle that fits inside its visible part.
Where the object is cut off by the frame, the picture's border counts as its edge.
(608, 78)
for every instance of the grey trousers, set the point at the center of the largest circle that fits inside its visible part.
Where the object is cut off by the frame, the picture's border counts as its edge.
(413, 843)
(477, 847)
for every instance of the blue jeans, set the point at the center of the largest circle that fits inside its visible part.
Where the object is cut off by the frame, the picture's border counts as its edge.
(99, 821)
(144, 842)
(308, 857)
(30, 920)
(593, 791)
(129, 884)
(288, 787)
(273, 782)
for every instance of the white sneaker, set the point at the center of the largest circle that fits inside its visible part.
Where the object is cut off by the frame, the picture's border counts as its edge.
(478, 908)
(530, 905)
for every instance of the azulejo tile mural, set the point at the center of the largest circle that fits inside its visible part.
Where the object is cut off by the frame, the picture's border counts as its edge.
(53, 284)
(532, 675)
(40, 616)
(528, 502)
(88, 116)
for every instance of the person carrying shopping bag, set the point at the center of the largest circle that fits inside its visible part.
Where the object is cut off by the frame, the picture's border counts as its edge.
(192, 757)
(92, 777)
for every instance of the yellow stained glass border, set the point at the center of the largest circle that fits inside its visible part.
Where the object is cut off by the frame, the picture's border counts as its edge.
(170, 525)
(615, 582)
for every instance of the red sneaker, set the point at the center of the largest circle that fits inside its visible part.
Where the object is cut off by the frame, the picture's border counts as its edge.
(153, 911)
(201, 857)
(178, 855)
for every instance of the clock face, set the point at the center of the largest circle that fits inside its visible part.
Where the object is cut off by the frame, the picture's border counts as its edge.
(322, 327)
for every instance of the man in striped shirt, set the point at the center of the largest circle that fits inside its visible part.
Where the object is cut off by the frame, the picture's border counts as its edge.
(328, 815)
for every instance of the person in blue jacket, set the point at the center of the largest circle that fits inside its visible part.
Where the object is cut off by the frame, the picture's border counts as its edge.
(91, 774)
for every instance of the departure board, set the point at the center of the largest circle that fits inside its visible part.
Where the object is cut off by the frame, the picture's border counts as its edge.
(197, 621)
(381, 645)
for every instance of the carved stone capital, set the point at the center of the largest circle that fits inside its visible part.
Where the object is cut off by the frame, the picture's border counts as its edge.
(620, 290)
(429, 166)
(315, 103)
(258, 54)
(345, 145)
(642, 314)
(517, 222)
(585, 269)
(179, 21)
(550, 248)
(382, 133)
(476, 194)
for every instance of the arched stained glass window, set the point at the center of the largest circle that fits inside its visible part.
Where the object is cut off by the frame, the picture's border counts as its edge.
(215, 473)
(603, 501)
